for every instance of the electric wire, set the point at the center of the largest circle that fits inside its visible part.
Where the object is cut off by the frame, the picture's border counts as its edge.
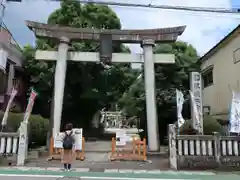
(166, 7)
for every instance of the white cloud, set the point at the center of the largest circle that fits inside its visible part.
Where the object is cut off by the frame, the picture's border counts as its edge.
(203, 30)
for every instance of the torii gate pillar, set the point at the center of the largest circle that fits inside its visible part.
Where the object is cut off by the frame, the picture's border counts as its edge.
(59, 83)
(150, 93)
(146, 37)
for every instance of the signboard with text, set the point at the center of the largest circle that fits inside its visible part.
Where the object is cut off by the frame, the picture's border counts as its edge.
(78, 139)
(121, 138)
(57, 143)
(196, 103)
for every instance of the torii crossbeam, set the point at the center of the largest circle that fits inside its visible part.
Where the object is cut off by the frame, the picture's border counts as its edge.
(147, 39)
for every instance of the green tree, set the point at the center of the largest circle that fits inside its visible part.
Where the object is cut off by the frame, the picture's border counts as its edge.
(168, 78)
(89, 86)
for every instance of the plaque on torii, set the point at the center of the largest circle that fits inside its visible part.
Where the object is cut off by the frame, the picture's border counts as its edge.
(147, 38)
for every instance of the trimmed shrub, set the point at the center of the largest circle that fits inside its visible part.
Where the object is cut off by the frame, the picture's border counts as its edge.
(210, 125)
(38, 127)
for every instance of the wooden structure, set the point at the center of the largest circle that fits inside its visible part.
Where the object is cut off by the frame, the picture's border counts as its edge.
(56, 153)
(133, 151)
(203, 151)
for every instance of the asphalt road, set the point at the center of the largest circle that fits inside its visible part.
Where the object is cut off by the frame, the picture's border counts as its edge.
(116, 176)
(27, 178)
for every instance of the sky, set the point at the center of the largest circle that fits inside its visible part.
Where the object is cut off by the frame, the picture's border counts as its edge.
(203, 31)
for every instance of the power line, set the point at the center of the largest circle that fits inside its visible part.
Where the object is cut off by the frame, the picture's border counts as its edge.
(189, 13)
(166, 7)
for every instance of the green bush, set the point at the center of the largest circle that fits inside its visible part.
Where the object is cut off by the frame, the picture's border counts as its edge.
(210, 125)
(38, 127)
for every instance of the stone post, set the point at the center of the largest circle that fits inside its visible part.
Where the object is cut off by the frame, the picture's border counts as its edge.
(172, 146)
(59, 83)
(22, 144)
(217, 148)
(149, 76)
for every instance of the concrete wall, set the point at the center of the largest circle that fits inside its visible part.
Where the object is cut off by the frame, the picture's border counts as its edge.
(226, 77)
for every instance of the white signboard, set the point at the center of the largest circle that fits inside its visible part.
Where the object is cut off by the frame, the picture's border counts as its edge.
(77, 134)
(235, 113)
(58, 140)
(197, 105)
(78, 139)
(3, 59)
(121, 138)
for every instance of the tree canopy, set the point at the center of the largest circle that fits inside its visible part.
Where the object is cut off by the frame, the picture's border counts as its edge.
(168, 78)
(90, 86)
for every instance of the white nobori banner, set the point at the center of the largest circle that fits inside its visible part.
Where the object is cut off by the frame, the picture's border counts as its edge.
(234, 125)
(5, 117)
(180, 101)
(29, 108)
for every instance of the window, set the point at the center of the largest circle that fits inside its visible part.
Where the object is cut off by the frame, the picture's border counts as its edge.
(2, 82)
(236, 56)
(208, 77)
(206, 110)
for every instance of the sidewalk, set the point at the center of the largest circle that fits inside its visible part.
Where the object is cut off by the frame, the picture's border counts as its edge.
(107, 172)
(31, 173)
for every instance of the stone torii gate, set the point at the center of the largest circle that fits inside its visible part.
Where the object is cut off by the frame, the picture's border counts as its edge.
(147, 39)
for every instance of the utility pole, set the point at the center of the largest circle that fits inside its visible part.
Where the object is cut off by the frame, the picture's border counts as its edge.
(2, 12)
(3, 6)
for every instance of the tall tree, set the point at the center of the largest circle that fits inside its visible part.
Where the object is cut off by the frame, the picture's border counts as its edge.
(89, 86)
(168, 78)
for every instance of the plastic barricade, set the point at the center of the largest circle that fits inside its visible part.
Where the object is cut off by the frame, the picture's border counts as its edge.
(56, 153)
(133, 151)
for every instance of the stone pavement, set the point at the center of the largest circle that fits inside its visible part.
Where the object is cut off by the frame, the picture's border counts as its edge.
(98, 146)
(98, 162)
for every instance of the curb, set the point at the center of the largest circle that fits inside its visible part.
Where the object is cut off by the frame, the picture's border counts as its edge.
(126, 171)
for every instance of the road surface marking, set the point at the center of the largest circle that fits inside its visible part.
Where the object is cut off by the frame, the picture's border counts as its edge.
(84, 177)
(81, 170)
(31, 175)
(140, 171)
(128, 178)
(111, 170)
(125, 170)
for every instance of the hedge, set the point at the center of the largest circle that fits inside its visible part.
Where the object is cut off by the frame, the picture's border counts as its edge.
(210, 125)
(38, 127)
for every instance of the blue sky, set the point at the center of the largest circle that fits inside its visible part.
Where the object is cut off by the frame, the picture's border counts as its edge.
(204, 30)
(235, 3)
